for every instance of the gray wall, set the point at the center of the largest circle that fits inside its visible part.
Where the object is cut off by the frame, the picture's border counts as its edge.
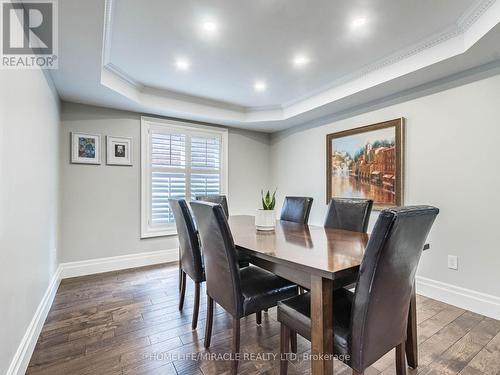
(100, 205)
(29, 125)
(452, 140)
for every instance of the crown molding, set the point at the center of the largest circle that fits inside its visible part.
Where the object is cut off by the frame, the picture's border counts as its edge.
(118, 80)
(461, 26)
(473, 14)
(106, 38)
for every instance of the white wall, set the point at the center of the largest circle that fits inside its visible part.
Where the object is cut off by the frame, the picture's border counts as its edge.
(29, 125)
(452, 161)
(101, 204)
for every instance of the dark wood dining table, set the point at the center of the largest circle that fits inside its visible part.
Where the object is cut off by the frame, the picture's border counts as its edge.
(319, 259)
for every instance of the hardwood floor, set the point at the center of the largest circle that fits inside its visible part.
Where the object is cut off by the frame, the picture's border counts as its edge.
(128, 322)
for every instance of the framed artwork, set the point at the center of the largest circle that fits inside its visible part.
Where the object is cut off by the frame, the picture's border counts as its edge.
(367, 162)
(118, 150)
(85, 148)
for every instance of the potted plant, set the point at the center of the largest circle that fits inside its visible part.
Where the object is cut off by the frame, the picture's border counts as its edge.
(266, 218)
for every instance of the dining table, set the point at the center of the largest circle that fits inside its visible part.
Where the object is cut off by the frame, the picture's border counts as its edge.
(318, 259)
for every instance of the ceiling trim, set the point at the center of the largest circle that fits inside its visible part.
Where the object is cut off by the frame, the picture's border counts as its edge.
(457, 39)
(464, 23)
(110, 68)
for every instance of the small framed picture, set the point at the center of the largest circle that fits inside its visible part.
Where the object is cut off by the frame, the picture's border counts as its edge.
(119, 150)
(85, 148)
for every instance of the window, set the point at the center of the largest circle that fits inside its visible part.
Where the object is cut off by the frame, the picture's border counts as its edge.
(178, 161)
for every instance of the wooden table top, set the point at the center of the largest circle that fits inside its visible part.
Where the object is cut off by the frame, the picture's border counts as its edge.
(330, 253)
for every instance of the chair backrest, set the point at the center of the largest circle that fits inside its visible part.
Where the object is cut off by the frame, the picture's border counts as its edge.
(385, 282)
(349, 214)
(221, 260)
(218, 199)
(296, 209)
(190, 253)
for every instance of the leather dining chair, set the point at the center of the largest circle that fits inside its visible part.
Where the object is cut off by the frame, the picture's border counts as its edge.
(190, 261)
(373, 320)
(296, 209)
(222, 200)
(219, 199)
(349, 214)
(240, 292)
(190, 257)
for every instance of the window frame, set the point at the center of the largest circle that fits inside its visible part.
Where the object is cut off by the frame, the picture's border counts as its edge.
(189, 129)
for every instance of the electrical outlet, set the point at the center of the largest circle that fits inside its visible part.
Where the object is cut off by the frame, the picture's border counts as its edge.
(452, 262)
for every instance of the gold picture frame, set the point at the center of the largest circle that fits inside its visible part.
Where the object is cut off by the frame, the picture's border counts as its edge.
(367, 162)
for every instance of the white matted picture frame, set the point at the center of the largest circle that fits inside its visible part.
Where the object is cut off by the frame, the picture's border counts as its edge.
(118, 150)
(85, 148)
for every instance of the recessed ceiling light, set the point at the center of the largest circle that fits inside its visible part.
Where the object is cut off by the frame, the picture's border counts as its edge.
(182, 64)
(210, 27)
(358, 22)
(260, 86)
(300, 61)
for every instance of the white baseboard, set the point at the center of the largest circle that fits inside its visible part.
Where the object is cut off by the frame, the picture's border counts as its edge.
(99, 265)
(471, 300)
(23, 354)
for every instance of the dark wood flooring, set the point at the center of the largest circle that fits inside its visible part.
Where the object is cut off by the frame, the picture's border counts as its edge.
(128, 322)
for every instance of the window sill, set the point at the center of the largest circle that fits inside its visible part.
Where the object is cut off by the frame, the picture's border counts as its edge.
(158, 233)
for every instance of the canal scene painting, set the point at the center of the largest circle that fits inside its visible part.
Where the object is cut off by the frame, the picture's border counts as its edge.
(367, 163)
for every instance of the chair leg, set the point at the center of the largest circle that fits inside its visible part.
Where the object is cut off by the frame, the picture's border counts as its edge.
(196, 309)
(183, 290)
(400, 359)
(284, 340)
(411, 345)
(210, 321)
(258, 317)
(293, 341)
(235, 346)
(180, 270)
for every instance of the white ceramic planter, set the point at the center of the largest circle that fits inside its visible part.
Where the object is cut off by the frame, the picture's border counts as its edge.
(265, 219)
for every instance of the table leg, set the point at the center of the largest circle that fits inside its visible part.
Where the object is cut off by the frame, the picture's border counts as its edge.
(411, 335)
(322, 326)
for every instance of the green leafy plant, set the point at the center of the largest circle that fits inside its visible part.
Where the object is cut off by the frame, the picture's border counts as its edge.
(268, 200)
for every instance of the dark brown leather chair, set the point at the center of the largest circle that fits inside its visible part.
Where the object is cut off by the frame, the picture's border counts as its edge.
(373, 320)
(222, 200)
(190, 258)
(240, 292)
(218, 199)
(190, 261)
(349, 214)
(296, 209)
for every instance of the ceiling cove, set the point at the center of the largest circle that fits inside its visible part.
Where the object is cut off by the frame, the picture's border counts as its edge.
(476, 22)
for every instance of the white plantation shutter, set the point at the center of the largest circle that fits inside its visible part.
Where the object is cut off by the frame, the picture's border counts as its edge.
(205, 153)
(205, 184)
(168, 150)
(178, 162)
(205, 166)
(165, 185)
(168, 175)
